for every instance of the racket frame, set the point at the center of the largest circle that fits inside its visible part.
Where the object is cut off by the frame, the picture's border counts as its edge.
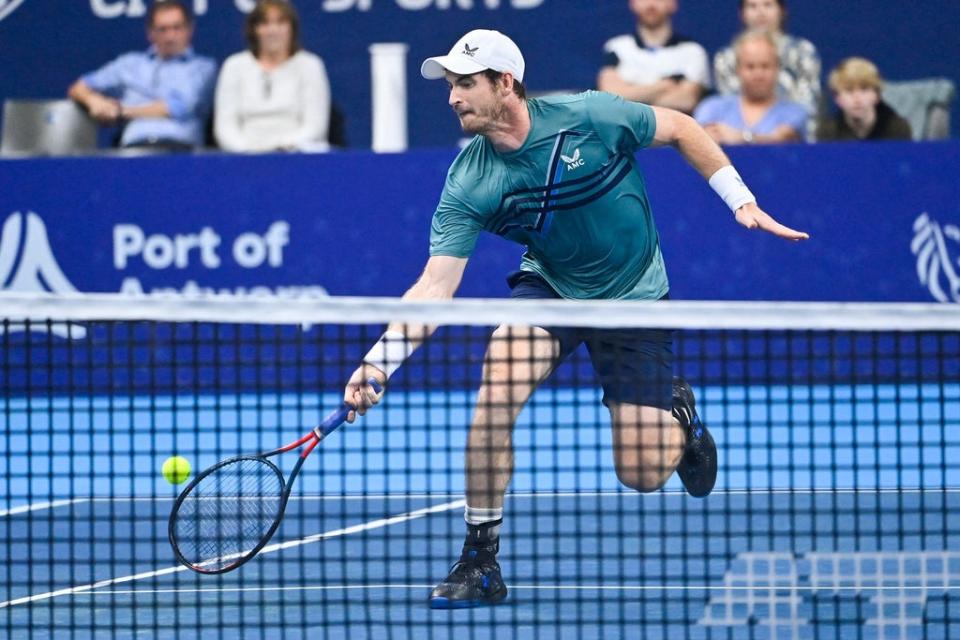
(308, 442)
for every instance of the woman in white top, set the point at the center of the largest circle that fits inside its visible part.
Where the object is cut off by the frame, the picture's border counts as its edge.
(275, 96)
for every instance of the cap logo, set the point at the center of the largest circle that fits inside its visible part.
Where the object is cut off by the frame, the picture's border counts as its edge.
(467, 51)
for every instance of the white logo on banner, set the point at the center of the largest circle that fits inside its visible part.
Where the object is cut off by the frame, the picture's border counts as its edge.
(8, 6)
(27, 264)
(133, 247)
(134, 8)
(138, 8)
(936, 265)
(779, 592)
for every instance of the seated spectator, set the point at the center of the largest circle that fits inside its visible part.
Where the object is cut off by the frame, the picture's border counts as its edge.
(654, 65)
(799, 77)
(757, 114)
(863, 114)
(162, 95)
(274, 96)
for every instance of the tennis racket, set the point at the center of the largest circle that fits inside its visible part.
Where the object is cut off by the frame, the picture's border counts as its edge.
(226, 515)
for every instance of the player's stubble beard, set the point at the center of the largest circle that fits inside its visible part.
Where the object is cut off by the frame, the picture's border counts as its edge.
(486, 119)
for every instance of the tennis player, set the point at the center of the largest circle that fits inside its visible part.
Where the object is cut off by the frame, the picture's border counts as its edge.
(558, 175)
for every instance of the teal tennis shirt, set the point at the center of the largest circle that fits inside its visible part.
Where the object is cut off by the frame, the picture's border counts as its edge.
(572, 195)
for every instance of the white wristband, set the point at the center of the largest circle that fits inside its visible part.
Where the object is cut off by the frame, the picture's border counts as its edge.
(389, 352)
(729, 185)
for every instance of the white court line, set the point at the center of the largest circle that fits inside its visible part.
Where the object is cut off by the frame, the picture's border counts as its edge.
(366, 526)
(39, 506)
(670, 493)
(527, 587)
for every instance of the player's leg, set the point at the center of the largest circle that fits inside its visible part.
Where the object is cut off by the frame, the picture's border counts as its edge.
(517, 361)
(647, 445)
(655, 422)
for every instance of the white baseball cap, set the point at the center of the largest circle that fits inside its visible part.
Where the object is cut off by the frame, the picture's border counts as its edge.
(477, 51)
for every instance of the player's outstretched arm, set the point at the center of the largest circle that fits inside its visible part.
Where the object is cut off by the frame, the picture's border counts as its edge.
(439, 281)
(706, 156)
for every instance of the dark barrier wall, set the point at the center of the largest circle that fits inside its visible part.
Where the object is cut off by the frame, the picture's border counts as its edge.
(884, 221)
(45, 45)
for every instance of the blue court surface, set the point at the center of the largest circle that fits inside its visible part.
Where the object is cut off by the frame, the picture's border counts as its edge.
(834, 517)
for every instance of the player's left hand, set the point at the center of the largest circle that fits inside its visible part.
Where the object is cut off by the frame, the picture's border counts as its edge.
(753, 217)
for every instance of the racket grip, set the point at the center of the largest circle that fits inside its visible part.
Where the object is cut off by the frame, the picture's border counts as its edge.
(334, 420)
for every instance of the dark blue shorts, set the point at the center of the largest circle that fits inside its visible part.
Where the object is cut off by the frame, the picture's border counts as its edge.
(635, 366)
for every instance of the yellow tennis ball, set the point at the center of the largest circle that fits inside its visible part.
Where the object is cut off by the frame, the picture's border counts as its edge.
(176, 469)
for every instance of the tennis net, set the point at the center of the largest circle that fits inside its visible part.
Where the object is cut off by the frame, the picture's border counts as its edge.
(833, 516)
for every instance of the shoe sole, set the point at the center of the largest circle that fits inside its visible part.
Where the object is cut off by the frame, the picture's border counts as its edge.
(441, 602)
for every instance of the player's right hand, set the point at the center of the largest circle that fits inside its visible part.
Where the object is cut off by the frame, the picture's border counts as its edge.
(753, 217)
(359, 393)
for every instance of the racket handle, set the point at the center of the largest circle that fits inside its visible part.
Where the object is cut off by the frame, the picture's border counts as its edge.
(335, 419)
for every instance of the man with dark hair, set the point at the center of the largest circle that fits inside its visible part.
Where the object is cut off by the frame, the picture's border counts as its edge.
(654, 65)
(161, 96)
(558, 175)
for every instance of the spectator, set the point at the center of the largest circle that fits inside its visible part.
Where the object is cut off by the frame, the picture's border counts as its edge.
(274, 96)
(654, 65)
(863, 114)
(757, 114)
(162, 95)
(799, 78)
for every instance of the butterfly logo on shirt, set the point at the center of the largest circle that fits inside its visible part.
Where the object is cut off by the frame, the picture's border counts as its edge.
(574, 162)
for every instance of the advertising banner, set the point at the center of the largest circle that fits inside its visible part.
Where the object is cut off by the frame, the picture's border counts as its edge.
(884, 221)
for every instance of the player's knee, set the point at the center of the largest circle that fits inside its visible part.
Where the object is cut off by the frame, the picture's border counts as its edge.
(646, 469)
(642, 479)
(504, 380)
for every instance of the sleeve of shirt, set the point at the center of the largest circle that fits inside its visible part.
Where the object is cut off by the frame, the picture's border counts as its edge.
(798, 119)
(315, 108)
(900, 129)
(622, 125)
(226, 115)
(808, 76)
(706, 111)
(456, 223)
(724, 72)
(192, 99)
(108, 79)
(698, 66)
(610, 59)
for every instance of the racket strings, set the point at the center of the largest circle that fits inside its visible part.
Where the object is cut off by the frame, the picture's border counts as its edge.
(229, 512)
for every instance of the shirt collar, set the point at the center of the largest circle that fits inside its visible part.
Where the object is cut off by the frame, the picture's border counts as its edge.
(187, 54)
(672, 42)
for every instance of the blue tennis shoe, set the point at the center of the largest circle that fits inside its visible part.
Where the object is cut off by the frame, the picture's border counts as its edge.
(474, 581)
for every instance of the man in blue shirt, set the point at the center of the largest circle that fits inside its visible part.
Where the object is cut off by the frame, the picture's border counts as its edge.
(757, 114)
(162, 95)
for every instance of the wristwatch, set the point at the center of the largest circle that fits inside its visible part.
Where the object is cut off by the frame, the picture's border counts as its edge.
(747, 136)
